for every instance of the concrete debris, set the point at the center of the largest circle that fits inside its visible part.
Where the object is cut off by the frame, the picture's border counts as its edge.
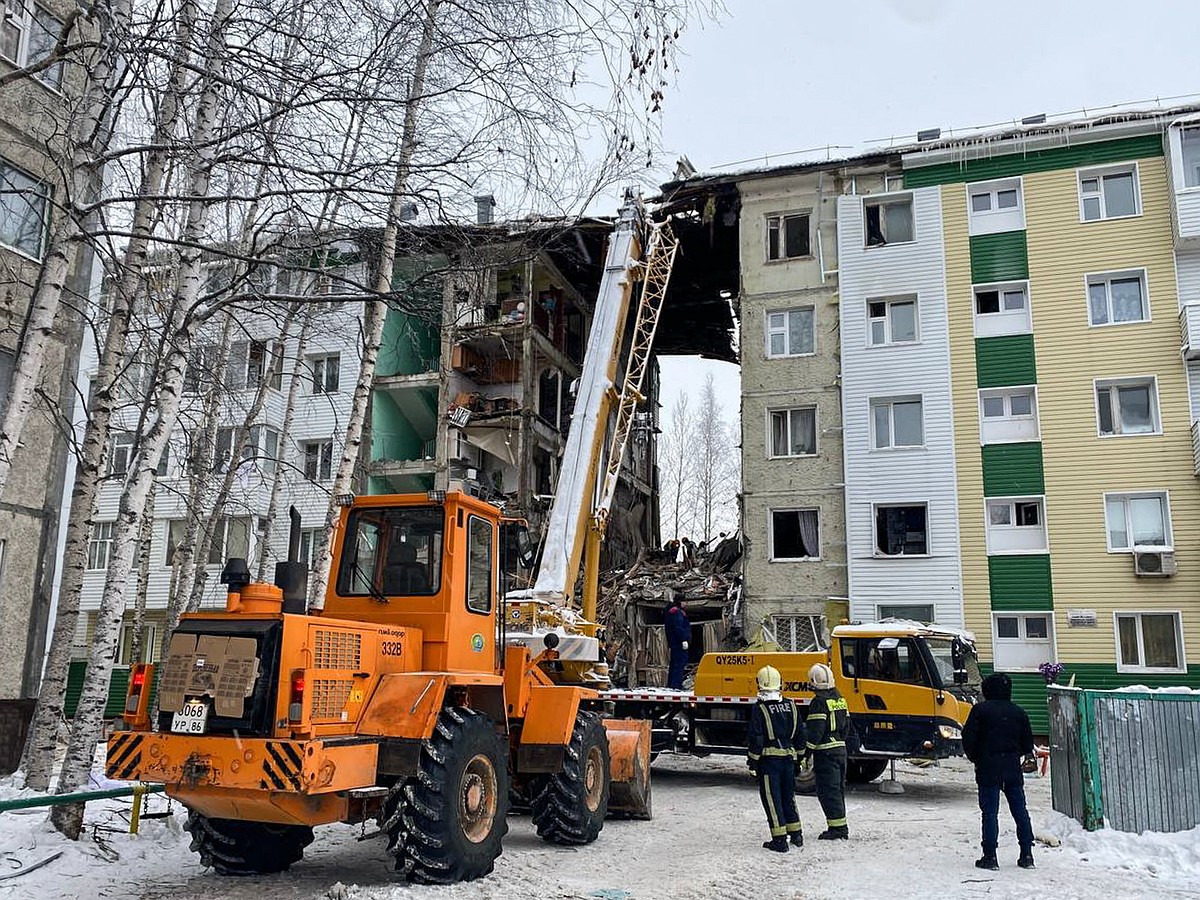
(633, 602)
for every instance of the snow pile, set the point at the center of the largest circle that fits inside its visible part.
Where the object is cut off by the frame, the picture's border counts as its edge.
(1142, 689)
(1173, 856)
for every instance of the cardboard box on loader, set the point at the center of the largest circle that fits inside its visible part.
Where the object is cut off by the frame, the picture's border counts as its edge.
(398, 701)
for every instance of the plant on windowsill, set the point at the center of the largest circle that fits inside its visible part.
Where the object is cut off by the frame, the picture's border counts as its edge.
(1051, 671)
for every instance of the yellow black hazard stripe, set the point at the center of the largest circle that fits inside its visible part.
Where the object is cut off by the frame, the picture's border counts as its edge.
(282, 765)
(124, 755)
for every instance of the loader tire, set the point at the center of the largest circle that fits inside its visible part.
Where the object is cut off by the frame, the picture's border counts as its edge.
(569, 807)
(864, 771)
(234, 847)
(446, 824)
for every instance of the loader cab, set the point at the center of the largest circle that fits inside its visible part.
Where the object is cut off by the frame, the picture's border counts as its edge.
(427, 562)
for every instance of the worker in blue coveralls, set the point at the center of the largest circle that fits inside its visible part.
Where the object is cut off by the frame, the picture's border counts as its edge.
(775, 729)
(679, 633)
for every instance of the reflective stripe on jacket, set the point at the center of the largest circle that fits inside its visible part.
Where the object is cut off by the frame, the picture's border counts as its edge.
(774, 729)
(828, 721)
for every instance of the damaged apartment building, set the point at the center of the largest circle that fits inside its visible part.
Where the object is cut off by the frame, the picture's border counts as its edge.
(475, 388)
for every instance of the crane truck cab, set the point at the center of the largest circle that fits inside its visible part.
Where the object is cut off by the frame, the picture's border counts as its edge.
(908, 687)
(398, 700)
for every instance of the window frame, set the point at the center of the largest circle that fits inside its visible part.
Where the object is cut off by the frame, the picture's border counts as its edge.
(319, 387)
(876, 551)
(1012, 502)
(889, 302)
(890, 198)
(771, 557)
(991, 324)
(45, 192)
(1137, 614)
(1107, 278)
(1099, 173)
(473, 520)
(787, 413)
(1006, 394)
(816, 623)
(1184, 187)
(1113, 384)
(780, 218)
(1168, 528)
(150, 645)
(318, 478)
(890, 402)
(786, 331)
(995, 220)
(1050, 641)
(932, 607)
(95, 542)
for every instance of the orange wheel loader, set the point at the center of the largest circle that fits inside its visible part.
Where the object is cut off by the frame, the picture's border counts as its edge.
(398, 701)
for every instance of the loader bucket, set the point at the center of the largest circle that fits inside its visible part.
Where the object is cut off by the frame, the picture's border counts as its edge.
(629, 767)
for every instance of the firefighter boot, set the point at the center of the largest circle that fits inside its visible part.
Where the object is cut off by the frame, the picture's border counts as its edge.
(778, 844)
(835, 833)
(797, 838)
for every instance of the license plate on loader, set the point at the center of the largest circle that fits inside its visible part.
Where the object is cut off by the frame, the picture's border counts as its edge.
(191, 719)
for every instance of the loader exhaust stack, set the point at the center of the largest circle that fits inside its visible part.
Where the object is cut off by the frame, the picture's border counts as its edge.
(291, 576)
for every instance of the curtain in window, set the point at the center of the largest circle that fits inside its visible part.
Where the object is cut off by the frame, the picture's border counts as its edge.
(1127, 299)
(779, 434)
(804, 431)
(809, 532)
(1149, 526)
(1127, 634)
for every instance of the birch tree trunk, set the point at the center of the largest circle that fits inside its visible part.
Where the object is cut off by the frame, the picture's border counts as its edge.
(285, 434)
(145, 541)
(376, 310)
(182, 324)
(43, 733)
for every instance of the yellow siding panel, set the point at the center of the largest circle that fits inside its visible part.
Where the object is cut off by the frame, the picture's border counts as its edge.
(1079, 465)
(960, 310)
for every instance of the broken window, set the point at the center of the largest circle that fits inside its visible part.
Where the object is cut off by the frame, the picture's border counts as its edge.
(788, 236)
(901, 530)
(548, 395)
(888, 221)
(795, 534)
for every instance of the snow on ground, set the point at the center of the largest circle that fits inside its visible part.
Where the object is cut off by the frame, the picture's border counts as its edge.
(704, 842)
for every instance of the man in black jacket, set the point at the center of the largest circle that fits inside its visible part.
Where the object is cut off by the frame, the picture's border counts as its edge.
(995, 738)
(826, 729)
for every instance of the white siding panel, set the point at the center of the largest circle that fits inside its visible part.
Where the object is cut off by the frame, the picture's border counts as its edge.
(1187, 272)
(919, 475)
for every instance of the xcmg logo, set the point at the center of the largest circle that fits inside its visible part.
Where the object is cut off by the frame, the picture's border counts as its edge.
(796, 686)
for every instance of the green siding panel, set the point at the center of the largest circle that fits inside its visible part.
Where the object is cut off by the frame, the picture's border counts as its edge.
(1020, 582)
(1029, 688)
(1010, 470)
(1004, 361)
(117, 686)
(999, 257)
(1092, 154)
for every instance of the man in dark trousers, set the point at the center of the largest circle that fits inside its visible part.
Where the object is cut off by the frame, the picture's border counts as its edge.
(995, 738)
(679, 633)
(826, 728)
(773, 735)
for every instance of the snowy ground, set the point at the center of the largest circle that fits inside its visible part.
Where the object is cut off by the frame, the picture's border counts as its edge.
(704, 842)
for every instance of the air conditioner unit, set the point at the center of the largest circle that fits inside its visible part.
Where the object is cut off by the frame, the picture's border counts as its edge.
(1155, 563)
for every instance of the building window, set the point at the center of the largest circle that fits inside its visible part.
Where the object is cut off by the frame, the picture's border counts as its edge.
(1016, 525)
(262, 448)
(799, 634)
(908, 612)
(252, 361)
(1189, 139)
(901, 530)
(325, 372)
(1108, 193)
(24, 207)
(1137, 520)
(795, 534)
(788, 236)
(176, 529)
(892, 321)
(790, 332)
(318, 460)
(310, 545)
(149, 644)
(28, 34)
(896, 422)
(1127, 406)
(1002, 309)
(995, 206)
(794, 431)
(1022, 641)
(1150, 642)
(120, 452)
(230, 538)
(201, 361)
(1008, 414)
(888, 220)
(100, 545)
(1117, 298)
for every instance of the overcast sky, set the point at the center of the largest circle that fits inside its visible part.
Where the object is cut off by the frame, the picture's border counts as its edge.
(775, 76)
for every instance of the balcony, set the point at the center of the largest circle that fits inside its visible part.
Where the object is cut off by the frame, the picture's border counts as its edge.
(1189, 330)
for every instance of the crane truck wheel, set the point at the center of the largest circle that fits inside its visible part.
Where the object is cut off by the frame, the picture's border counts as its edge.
(234, 847)
(864, 771)
(569, 807)
(446, 824)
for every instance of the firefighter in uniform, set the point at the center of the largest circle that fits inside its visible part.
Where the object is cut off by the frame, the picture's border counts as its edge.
(773, 737)
(826, 728)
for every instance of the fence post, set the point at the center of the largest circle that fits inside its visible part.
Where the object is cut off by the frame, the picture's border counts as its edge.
(1089, 757)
